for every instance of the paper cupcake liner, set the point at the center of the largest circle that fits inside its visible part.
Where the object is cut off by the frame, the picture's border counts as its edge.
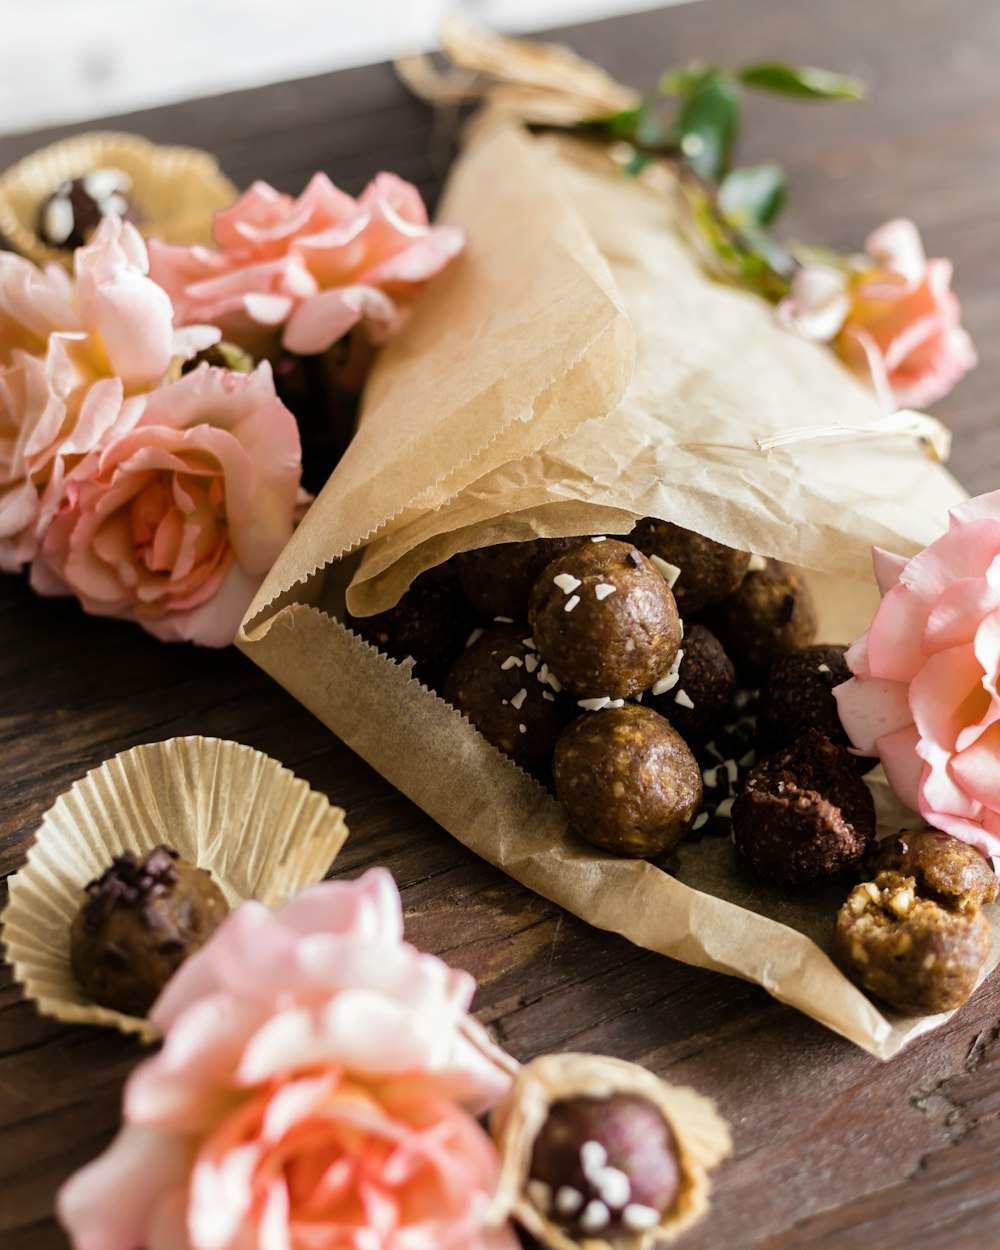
(259, 829)
(177, 190)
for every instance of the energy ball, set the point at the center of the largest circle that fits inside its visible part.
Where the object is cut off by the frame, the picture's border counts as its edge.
(706, 571)
(72, 213)
(141, 920)
(605, 621)
(431, 623)
(706, 686)
(498, 579)
(771, 615)
(496, 683)
(804, 814)
(627, 781)
(602, 1166)
(797, 694)
(917, 955)
(951, 872)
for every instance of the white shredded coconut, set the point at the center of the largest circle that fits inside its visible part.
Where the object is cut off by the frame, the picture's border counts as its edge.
(519, 698)
(571, 603)
(512, 662)
(567, 582)
(683, 698)
(603, 589)
(669, 572)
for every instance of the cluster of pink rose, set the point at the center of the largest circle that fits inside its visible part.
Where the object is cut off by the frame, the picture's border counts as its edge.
(891, 316)
(318, 1085)
(165, 498)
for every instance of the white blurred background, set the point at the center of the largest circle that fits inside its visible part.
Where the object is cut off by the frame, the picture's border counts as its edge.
(70, 60)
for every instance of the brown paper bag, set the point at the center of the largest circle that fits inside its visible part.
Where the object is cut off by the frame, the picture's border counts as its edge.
(574, 371)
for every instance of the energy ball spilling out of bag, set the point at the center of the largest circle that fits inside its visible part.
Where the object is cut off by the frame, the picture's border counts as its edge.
(703, 571)
(627, 781)
(769, 616)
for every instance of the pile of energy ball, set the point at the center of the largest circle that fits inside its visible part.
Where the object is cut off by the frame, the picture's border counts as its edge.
(666, 687)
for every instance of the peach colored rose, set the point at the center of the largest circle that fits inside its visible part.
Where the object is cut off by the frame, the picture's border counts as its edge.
(897, 321)
(315, 1091)
(48, 423)
(924, 695)
(311, 268)
(111, 319)
(174, 522)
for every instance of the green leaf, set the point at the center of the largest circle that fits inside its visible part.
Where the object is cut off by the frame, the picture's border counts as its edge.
(686, 80)
(708, 123)
(801, 80)
(619, 125)
(753, 196)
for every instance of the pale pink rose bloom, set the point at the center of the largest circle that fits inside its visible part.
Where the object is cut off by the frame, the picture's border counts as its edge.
(33, 303)
(310, 268)
(174, 522)
(316, 1089)
(818, 304)
(924, 695)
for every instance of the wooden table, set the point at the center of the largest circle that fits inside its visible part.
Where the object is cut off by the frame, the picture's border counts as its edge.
(834, 1150)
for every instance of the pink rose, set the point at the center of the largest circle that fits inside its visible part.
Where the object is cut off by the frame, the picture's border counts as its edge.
(315, 1091)
(33, 303)
(924, 695)
(176, 519)
(313, 267)
(897, 321)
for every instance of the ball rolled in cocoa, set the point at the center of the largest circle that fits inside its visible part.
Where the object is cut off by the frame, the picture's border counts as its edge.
(769, 616)
(497, 580)
(708, 571)
(706, 685)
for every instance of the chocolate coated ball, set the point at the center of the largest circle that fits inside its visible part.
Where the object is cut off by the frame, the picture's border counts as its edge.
(708, 571)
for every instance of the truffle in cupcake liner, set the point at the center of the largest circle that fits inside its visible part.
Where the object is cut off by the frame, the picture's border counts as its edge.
(601, 1153)
(174, 192)
(258, 829)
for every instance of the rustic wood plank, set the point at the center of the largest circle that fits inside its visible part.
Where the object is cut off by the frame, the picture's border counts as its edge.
(833, 1150)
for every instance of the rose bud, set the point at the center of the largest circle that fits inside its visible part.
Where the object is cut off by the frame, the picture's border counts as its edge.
(600, 1152)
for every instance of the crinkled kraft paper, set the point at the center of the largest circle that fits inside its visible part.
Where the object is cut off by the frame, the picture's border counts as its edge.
(575, 370)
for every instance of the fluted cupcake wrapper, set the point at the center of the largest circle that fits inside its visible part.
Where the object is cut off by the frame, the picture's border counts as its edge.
(177, 190)
(260, 830)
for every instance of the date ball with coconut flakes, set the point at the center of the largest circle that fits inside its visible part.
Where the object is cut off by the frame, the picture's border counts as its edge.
(700, 570)
(499, 684)
(605, 621)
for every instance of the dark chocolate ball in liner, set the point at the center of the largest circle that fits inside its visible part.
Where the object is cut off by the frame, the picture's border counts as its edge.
(431, 622)
(804, 814)
(951, 872)
(627, 781)
(797, 694)
(498, 579)
(605, 621)
(601, 1166)
(72, 213)
(708, 571)
(769, 616)
(496, 683)
(706, 685)
(917, 955)
(141, 920)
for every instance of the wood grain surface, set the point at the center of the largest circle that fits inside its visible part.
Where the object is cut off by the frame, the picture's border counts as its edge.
(833, 1150)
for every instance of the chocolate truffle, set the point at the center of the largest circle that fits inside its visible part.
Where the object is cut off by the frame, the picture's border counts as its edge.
(917, 955)
(74, 210)
(498, 579)
(141, 920)
(706, 685)
(431, 623)
(951, 872)
(771, 615)
(605, 621)
(797, 694)
(703, 571)
(627, 781)
(804, 814)
(602, 1166)
(497, 683)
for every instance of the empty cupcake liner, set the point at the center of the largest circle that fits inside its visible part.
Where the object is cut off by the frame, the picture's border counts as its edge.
(259, 829)
(177, 190)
